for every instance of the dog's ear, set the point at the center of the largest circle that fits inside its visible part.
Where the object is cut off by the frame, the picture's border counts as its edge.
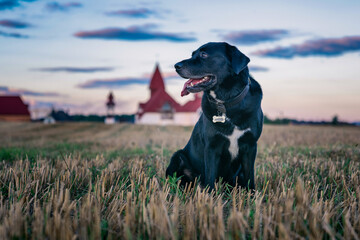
(238, 60)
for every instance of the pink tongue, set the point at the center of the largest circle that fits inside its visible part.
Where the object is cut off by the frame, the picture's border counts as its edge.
(184, 91)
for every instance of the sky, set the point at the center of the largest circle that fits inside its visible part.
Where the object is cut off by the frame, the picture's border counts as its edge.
(70, 54)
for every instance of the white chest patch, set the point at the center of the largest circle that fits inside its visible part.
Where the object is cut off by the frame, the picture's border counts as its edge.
(212, 93)
(233, 138)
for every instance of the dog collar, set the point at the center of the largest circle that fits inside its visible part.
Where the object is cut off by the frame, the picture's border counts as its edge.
(221, 105)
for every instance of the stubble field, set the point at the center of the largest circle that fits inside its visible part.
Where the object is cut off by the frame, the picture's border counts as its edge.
(92, 181)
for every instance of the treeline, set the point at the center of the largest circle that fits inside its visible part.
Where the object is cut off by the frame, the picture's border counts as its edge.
(64, 116)
(97, 118)
(284, 121)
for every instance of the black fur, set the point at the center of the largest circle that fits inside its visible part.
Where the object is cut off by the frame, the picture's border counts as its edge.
(206, 155)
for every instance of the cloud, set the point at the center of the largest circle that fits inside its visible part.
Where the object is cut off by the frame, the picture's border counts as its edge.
(62, 7)
(113, 83)
(36, 104)
(14, 91)
(75, 69)
(120, 82)
(253, 37)
(254, 68)
(14, 24)
(327, 47)
(133, 13)
(13, 35)
(165, 75)
(134, 33)
(10, 4)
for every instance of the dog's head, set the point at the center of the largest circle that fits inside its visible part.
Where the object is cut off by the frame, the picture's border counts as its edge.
(209, 66)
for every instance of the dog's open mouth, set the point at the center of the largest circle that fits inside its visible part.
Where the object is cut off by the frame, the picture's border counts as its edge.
(194, 85)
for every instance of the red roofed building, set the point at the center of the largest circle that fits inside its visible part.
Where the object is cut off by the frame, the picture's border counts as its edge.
(12, 108)
(162, 109)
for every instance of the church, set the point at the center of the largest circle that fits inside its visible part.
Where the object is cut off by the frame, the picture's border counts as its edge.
(162, 109)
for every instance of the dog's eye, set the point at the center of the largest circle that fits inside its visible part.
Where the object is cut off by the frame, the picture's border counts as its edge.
(203, 55)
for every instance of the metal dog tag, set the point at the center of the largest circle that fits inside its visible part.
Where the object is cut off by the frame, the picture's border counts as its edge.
(217, 119)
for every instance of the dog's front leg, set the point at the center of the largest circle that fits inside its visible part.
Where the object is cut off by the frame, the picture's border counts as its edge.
(246, 174)
(212, 159)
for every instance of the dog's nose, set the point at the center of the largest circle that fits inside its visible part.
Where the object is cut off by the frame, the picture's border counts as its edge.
(178, 66)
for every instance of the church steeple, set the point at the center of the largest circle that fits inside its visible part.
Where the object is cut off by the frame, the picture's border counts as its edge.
(157, 81)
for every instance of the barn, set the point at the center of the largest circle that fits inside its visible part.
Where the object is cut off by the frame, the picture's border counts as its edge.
(162, 109)
(12, 108)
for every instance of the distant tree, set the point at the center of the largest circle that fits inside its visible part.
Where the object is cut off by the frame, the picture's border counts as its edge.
(335, 120)
(266, 119)
(60, 115)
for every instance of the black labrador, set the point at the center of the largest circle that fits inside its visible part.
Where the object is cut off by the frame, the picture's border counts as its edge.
(223, 143)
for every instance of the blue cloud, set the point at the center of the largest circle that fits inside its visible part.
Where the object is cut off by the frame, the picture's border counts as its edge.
(62, 7)
(10, 4)
(75, 69)
(326, 47)
(133, 13)
(134, 33)
(254, 68)
(13, 35)
(253, 37)
(13, 91)
(36, 104)
(120, 82)
(14, 24)
(113, 83)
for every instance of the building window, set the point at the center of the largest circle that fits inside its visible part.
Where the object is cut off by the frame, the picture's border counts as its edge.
(167, 112)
